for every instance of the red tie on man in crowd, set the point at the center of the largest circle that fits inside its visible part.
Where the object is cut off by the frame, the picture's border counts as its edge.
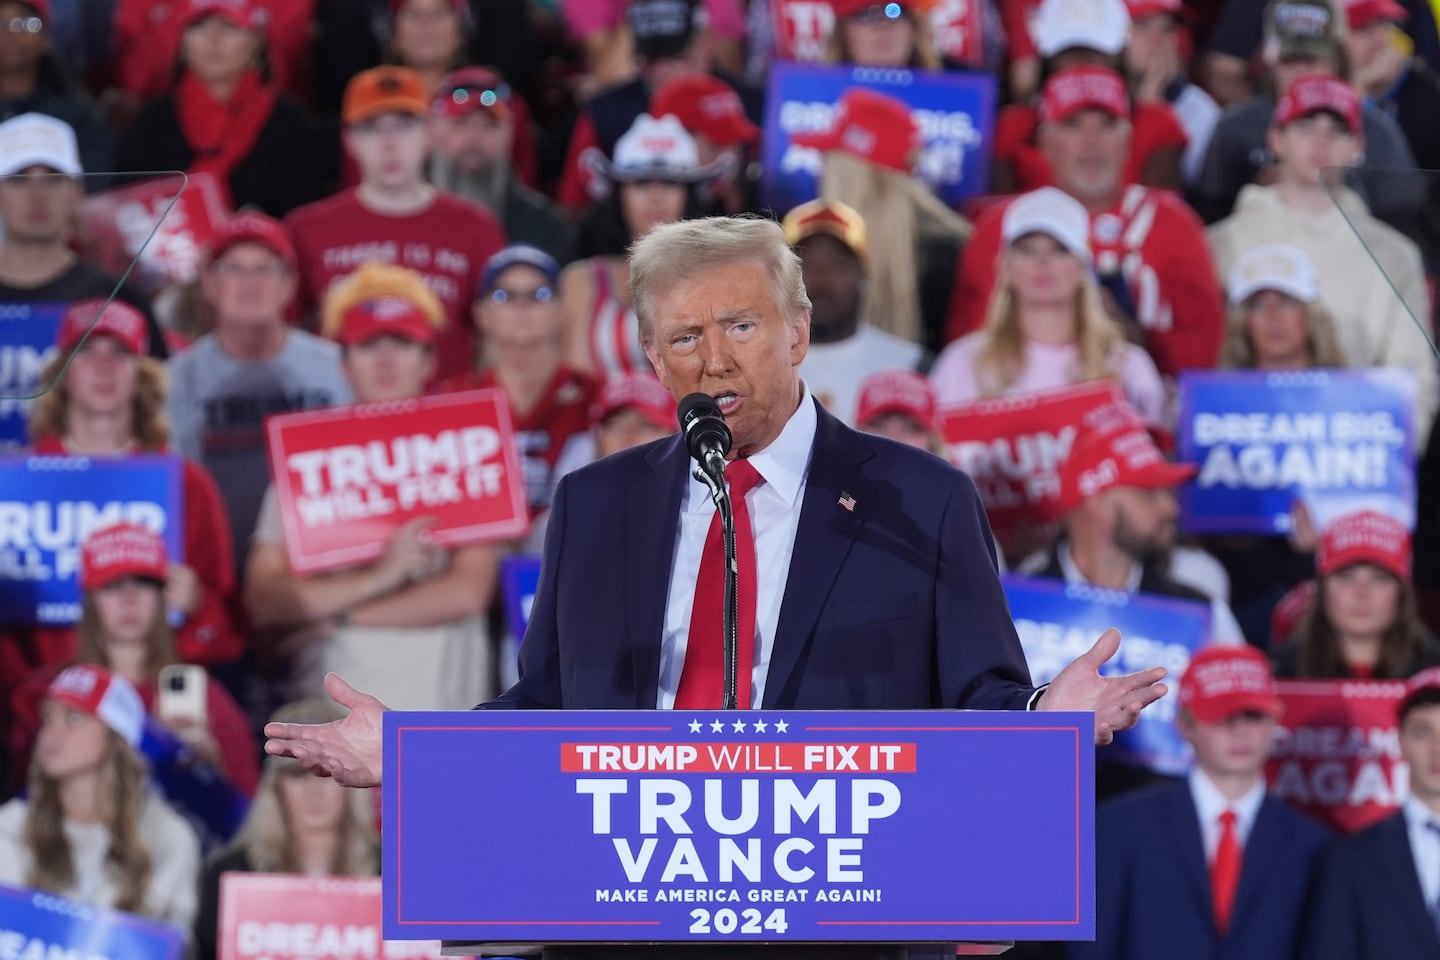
(1225, 871)
(702, 678)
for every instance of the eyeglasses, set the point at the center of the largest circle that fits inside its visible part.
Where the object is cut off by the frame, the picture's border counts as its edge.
(880, 12)
(25, 25)
(538, 295)
(487, 96)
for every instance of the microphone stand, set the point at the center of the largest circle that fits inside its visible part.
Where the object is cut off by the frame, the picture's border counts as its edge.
(712, 473)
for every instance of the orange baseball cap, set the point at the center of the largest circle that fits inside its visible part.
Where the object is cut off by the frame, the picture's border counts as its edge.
(384, 90)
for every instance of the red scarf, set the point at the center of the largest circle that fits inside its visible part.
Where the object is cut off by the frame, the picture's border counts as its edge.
(222, 133)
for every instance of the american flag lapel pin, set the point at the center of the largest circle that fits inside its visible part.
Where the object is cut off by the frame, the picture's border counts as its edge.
(847, 501)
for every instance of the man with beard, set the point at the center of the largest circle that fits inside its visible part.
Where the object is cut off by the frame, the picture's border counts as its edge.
(829, 238)
(472, 127)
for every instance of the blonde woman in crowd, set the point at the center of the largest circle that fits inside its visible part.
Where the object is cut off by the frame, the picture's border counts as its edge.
(298, 824)
(1046, 327)
(91, 829)
(1277, 320)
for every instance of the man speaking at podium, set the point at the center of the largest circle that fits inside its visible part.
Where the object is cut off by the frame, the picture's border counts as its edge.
(867, 570)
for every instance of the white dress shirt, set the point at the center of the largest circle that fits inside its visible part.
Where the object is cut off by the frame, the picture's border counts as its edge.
(1424, 847)
(775, 517)
(1210, 803)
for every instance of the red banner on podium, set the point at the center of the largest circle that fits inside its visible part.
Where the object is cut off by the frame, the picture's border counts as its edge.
(119, 222)
(1337, 753)
(269, 916)
(1012, 447)
(347, 477)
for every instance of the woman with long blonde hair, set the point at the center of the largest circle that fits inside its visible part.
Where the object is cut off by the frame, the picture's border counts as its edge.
(298, 823)
(91, 829)
(1046, 326)
(870, 153)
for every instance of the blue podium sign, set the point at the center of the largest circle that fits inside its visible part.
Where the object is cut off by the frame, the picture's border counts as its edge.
(1337, 440)
(46, 927)
(1058, 621)
(49, 505)
(741, 827)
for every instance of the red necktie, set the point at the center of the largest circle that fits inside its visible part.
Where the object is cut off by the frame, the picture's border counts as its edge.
(702, 679)
(1225, 871)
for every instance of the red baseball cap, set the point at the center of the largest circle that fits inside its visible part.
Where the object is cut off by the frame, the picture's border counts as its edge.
(896, 391)
(1083, 88)
(242, 13)
(119, 551)
(469, 90)
(107, 696)
(1317, 93)
(1140, 9)
(252, 227)
(706, 106)
(636, 391)
(873, 127)
(116, 319)
(1364, 537)
(1360, 14)
(1119, 454)
(386, 315)
(1424, 681)
(849, 8)
(1223, 681)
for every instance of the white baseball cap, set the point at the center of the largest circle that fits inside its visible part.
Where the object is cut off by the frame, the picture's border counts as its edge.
(1274, 266)
(1050, 211)
(1102, 25)
(655, 149)
(38, 140)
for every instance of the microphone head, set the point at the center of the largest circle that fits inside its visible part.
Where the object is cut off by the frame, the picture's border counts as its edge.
(703, 425)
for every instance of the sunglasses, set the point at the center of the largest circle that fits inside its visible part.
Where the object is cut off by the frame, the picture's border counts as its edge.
(538, 295)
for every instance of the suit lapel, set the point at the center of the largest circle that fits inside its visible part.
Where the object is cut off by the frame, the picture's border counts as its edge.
(1397, 865)
(1263, 849)
(823, 538)
(653, 516)
(1185, 829)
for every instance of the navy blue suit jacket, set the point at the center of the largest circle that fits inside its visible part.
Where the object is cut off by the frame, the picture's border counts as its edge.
(894, 604)
(1152, 882)
(1368, 904)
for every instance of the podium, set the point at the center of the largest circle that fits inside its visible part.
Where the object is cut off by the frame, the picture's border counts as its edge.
(760, 835)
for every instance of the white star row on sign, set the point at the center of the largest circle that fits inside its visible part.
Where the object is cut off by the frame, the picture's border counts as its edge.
(718, 726)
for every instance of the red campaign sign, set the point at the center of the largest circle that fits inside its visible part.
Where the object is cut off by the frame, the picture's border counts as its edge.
(1012, 447)
(269, 916)
(802, 29)
(1336, 755)
(118, 223)
(346, 478)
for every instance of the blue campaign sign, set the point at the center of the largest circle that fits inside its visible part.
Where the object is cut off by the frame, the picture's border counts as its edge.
(519, 579)
(956, 112)
(47, 927)
(213, 805)
(740, 827)
(1337, 441)
(1058, 621)
(27, 344)
(49, 505)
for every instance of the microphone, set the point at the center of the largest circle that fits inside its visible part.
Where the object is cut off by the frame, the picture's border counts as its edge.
(707, 436)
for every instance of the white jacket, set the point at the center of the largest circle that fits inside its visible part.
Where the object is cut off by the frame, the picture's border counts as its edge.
(1374, 326)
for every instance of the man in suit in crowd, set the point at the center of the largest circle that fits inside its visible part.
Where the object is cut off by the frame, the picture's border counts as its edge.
(868, 570)
(1212, 866)
(1378, 891)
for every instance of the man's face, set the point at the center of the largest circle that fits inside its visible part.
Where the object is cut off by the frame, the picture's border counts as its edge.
(474, 141)
(720, 331)
(389, 149)
(248, 286)
(21, 49)
(38, 205)
(833, 278)
(523, 310)
(388, 368)
(1315, 149)
(624, 429)
(1087, 152)
(1234, 747)
(899, 426)
(1420, 748)
(1144, 521)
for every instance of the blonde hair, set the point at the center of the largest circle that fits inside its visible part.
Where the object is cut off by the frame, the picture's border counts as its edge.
(1001, 358)
(375, 279)
(1238, 351)
(671, 251)
(265, 834)
(900, 214)
(127, 859)
(49, 412)
(925, 55)
(160, 650)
